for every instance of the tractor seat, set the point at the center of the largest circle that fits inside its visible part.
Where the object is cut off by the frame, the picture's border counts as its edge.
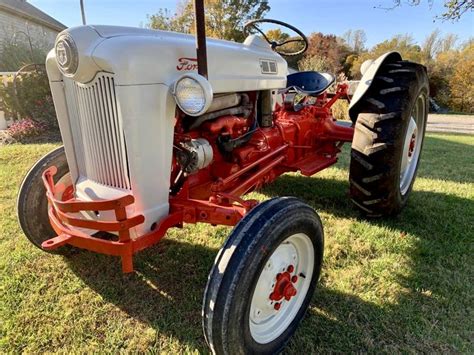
(310, 82)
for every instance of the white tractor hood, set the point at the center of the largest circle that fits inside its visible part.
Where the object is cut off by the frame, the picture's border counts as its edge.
(142, 57)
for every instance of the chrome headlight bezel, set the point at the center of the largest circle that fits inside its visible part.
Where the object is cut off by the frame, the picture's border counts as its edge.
(199, 81)
(67, 55)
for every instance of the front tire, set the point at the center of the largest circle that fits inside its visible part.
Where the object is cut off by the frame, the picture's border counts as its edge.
(32, 204)
(388, 138)
(263, 278)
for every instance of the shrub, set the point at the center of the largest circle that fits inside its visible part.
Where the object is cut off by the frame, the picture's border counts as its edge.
(25, 128)
(340, 110)
(33, 99)
(43, 111)
(15, 51)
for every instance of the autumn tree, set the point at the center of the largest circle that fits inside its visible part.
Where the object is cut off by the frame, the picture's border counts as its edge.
(461, 82)
(224, 19)
(315, 63)
(331, 49)
(277, 35)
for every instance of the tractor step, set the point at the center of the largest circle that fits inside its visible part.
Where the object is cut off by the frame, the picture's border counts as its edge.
(313, 163)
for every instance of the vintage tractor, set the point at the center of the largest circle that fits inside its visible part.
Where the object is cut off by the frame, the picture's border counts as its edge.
(152, 140)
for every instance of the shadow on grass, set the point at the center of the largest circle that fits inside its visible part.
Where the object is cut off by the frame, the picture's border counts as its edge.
(430, 315)
(166, 292)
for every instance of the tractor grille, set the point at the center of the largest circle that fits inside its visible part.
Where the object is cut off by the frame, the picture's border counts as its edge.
(97, 132)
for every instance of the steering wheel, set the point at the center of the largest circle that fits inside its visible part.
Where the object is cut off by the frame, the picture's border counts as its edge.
(274, 44)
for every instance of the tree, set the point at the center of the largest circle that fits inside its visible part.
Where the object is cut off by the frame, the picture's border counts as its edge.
(277, 35)
(431, 46)
(404, 44)
(224, 19)
(164, 20)
(448, 42)
(434, 44)
(461, 82)
(355, 40)
(314, 63)
(329, 48)
(454, 9)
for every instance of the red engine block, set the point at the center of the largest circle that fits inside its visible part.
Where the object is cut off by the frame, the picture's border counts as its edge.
(307, 140)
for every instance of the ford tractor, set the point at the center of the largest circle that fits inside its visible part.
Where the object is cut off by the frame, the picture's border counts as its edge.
(161, 129)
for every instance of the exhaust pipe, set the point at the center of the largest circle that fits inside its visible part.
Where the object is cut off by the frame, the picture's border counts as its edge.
(83, 12)
(201, 51)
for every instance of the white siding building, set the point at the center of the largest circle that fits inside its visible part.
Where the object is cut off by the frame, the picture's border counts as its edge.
(20, 19)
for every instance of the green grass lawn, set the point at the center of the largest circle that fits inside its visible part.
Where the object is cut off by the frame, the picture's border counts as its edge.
(390, 285)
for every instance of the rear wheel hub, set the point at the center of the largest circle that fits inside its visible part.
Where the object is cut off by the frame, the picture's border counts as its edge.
(411, 148)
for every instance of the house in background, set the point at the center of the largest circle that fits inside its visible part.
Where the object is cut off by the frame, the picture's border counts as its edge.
(21, 22)
(20, 19)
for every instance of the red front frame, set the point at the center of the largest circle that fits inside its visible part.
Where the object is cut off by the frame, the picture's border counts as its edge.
(306, 141)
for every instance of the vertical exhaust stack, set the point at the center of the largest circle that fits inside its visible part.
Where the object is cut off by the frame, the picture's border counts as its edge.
(201, 51)
(83, 13)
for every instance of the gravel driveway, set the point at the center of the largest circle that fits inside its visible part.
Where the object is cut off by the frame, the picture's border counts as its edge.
(450, 123)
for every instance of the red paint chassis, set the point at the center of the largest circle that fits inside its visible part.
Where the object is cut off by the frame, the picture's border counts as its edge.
(307, 141)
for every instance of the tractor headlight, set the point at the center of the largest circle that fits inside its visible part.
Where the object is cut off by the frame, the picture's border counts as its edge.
(193, 94)
(66, 55)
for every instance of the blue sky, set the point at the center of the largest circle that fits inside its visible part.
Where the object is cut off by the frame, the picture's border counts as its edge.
(327, 16)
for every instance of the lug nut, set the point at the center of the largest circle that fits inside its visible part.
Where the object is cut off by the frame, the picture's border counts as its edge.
(277, 306)
(291, 268)
(294, 278)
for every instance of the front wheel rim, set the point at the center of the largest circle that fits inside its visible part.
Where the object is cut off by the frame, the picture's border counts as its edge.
(412, 143)
(272, 312)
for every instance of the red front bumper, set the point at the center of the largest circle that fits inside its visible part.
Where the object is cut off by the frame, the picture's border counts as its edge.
(66, 225)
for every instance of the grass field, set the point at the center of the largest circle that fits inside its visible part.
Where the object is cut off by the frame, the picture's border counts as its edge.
(391, 285)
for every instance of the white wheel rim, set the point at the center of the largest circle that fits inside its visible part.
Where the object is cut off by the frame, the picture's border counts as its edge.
(412, 144)
(267, 323)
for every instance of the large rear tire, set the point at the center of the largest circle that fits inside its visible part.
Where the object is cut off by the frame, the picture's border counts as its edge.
(32, 204)
(388, 138)
(263, 278)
